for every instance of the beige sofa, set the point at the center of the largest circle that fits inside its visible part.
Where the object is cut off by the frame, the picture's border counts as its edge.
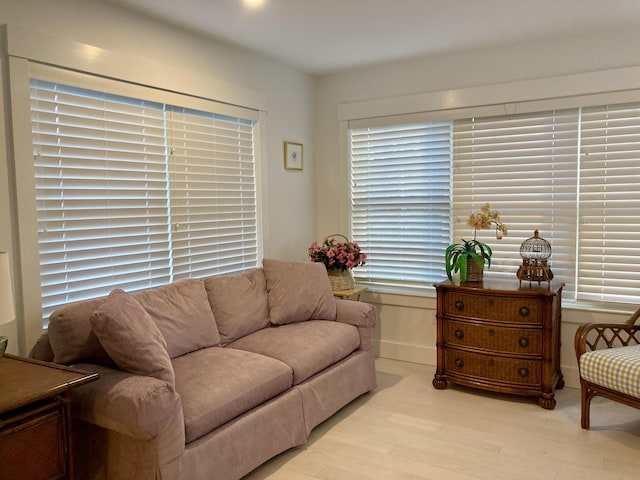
(207, 379)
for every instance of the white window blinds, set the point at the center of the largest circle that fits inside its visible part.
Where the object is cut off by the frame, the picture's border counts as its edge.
(400, 201)
(101, 190)
(526, 167)
(114, 211)
(213, 194)
(573, 174)
(609, 199)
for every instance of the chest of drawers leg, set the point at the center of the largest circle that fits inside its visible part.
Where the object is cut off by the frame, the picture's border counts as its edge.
(500, 336)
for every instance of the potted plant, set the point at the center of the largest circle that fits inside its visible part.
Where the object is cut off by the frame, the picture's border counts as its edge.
(459, 257)
(339, 258)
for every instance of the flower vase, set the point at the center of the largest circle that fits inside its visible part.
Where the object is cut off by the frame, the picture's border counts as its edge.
(474, 271)
(340, 279)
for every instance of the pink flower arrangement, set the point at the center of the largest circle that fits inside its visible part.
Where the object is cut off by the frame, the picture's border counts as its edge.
(337, 255)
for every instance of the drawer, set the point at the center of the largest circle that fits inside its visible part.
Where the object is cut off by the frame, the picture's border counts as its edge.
(512, 370)
(34, 448)
(490, 337)
(501, 309)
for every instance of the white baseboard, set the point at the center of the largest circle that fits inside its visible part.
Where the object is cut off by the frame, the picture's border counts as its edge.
(405, 352)
(571, 377)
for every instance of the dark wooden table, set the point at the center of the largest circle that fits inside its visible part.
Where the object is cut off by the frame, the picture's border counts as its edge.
(35, 418)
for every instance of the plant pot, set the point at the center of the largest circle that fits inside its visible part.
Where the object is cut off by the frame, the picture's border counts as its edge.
(340, 280)
(474, 271)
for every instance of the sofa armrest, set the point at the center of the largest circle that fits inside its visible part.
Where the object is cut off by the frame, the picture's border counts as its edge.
(141, 407)
(360, 314)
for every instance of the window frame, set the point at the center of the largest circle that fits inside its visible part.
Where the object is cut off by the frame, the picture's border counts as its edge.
(20, 73)
(26, 49)
(122, 158)
(588, 89)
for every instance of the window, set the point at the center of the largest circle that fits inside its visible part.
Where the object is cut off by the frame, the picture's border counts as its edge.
(526, 166)
(135, 194)
(213, 194)
(608, 202)
(571, 173)
(400, 201)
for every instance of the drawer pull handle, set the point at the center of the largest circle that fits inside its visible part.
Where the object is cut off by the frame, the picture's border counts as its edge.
(524, 311)
(524, 372)
(524, 342)
(459, 305)
(459, 363)
(459, 334)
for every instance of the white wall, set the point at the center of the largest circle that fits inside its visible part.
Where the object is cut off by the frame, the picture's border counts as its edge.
(296, 111)
(406, 327)
(289, 200)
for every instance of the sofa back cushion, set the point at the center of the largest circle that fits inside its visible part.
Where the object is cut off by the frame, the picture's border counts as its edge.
(298, 292)
(131, 337)
(239, 303)
(183, 314)
(71, 336)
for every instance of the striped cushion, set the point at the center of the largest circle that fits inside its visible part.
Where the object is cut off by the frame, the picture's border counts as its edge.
(614, 368)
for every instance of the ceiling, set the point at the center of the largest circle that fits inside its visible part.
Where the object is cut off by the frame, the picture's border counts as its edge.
(325, 36)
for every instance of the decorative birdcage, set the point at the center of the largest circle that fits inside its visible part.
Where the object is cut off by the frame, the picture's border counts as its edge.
(535, 253)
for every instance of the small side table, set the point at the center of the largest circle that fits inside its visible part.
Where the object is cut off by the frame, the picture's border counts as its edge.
(354, 292)
(35, 418)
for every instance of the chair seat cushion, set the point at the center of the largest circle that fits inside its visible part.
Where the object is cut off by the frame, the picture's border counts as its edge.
(614, 368)
(217, 384)
(308, 347)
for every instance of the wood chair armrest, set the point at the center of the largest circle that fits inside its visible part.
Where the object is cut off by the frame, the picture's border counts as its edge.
(594, 336)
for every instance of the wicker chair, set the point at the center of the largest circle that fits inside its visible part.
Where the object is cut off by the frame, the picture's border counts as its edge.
(609, 362)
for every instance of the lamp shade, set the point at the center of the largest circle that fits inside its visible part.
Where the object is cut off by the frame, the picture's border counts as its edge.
(7, 312)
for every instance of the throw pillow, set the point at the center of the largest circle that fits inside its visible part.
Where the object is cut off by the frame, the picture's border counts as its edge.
(131, 337)
(298, 291)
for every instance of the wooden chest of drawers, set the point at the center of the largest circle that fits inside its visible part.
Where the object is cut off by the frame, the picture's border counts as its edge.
(500, 336)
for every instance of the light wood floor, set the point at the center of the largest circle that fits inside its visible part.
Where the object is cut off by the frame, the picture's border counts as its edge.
(407, 430)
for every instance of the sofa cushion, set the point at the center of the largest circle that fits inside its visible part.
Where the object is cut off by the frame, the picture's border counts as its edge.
(71, 335)
(41, 350)
(131, 337)
(614, 368)
(239, 303)
(308, 347)
(298, 292)
(217, 384)
(183, 314)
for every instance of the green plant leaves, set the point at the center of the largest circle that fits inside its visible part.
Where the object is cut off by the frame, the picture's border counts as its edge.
(457, 254)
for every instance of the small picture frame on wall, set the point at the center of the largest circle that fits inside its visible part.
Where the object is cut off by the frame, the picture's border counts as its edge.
(293, 156)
